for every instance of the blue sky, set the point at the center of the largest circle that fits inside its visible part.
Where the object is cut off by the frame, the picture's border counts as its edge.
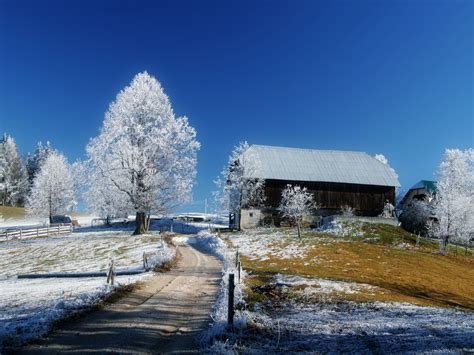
(391, 77)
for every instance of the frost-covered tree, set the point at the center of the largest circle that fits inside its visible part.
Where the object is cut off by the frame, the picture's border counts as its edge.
(33, 162)
(417, 215)
(144, 154)
(13, 178)
(296, 202)
(53, 188)
(454, 202)
(388, 210)
(236, 186)
(101, 195)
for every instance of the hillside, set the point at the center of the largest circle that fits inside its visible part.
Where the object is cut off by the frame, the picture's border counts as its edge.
(386, 258)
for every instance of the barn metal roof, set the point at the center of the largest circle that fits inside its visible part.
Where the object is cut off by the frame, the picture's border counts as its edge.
(295, 164)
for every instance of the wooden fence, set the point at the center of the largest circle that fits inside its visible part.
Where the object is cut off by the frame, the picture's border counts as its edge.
(24, 233)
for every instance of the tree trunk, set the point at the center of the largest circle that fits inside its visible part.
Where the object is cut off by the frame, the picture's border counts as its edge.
(141, 223)
(299, 229)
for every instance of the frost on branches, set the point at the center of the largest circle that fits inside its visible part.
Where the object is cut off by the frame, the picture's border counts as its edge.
(417, 216)
(296, 202)
(33, 163)
(236, 186)
(454, 202)
(13, 178)
(388, 210)
(347, 211)
(52, 192)
(144, 159)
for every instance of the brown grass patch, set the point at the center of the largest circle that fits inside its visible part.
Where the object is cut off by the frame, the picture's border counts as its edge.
(414, 274)
(167, 266)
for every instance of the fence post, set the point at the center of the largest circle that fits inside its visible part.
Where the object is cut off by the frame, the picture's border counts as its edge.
(37, 232)
(6, 234)
(239, 267)
(21, 233)
(237, 258)
(110, 274)
(230, 307)
(145, 261)
(59, 229)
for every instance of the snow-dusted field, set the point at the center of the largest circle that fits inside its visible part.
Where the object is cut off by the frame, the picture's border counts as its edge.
(310, 320)
(347, 327)
(28, 306)
(258, 244)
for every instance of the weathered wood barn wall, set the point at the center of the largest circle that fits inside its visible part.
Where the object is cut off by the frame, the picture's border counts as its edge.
(336, 178)
(367, 200)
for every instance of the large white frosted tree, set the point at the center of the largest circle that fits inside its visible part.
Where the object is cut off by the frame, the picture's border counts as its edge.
(52, 192)
(13, 178)
(454, 202)
(237, 186)
(98, 196)
(144, 156)
(296, 203)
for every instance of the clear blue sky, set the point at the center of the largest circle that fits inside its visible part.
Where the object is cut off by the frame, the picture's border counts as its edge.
(391, 77)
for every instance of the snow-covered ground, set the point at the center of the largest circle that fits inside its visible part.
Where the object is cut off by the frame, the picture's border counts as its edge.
(309, 319)
(259, 244)
(32, 221)
(387, 328)
(29, 306)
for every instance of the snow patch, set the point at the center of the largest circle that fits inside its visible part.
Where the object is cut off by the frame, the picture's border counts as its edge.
(321, 286)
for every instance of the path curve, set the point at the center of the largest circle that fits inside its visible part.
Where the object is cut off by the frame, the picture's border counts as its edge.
(166, 314)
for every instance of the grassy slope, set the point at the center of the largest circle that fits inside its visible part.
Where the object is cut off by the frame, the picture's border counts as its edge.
(386, 257)
(8, 212)
(19, 213)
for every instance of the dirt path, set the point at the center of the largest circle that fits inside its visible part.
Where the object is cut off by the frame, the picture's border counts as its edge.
(164, 315)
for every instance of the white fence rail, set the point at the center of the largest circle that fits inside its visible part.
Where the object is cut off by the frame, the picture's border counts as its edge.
(20, 233)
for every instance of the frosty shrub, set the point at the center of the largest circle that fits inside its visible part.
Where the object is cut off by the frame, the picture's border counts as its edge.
(388, 210)
(347, 211)
(296, 202)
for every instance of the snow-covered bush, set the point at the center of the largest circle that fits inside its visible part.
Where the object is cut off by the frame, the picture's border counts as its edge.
(347, 211)
(388, 210)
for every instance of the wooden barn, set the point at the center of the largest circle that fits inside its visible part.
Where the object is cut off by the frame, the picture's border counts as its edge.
(336, 178)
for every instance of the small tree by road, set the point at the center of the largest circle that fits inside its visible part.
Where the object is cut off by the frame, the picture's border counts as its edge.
(297, 202)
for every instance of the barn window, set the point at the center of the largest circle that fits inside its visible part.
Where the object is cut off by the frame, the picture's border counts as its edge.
(251, 214)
